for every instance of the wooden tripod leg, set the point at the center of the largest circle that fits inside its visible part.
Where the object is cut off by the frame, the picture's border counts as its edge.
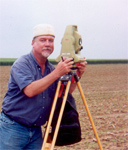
(60, 114)
(51, 117)
(88, 112)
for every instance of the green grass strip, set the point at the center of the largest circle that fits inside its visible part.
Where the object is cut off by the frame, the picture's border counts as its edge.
(10, 61)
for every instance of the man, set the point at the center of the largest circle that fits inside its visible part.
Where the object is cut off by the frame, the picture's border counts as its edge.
(31, 88)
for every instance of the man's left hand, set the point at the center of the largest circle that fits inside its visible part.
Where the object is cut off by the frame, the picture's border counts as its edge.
(81, 68)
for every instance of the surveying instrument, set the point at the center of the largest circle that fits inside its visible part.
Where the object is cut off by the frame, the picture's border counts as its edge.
(71, 47)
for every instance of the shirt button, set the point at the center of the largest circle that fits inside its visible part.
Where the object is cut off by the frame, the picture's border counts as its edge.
(34, 124)
(43, 96)
(40, 117)
(43, 107)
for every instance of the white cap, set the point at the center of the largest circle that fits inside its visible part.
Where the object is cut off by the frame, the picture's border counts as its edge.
(43, 29)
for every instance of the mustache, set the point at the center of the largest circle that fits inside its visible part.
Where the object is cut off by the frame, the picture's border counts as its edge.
(47, 48)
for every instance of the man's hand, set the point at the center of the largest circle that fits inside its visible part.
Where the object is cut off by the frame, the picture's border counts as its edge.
(81, 68)
(64, 66)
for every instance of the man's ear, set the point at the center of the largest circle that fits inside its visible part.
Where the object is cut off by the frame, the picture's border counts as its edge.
(33, 41)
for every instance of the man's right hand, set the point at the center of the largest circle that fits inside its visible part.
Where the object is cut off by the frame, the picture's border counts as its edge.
(64, 66)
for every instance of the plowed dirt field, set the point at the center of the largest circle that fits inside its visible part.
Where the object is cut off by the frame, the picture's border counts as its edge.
(106, 91)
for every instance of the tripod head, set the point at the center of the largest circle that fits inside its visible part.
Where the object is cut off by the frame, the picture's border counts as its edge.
(71, 45)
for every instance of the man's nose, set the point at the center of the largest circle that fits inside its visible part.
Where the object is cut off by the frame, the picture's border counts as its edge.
(47, 42)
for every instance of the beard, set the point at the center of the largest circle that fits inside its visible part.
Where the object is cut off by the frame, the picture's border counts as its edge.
(46, 52)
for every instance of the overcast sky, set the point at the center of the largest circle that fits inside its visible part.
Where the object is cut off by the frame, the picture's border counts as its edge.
(102, 24)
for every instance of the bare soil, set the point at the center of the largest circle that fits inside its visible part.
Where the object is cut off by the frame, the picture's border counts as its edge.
(106, 91)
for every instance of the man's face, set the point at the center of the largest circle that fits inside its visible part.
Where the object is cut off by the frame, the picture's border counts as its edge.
(43, 45)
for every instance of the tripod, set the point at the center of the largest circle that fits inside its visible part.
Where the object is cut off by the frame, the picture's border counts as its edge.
(66, 78)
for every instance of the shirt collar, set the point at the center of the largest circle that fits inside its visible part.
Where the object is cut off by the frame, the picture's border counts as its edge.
(47, 63)
(34, 59)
